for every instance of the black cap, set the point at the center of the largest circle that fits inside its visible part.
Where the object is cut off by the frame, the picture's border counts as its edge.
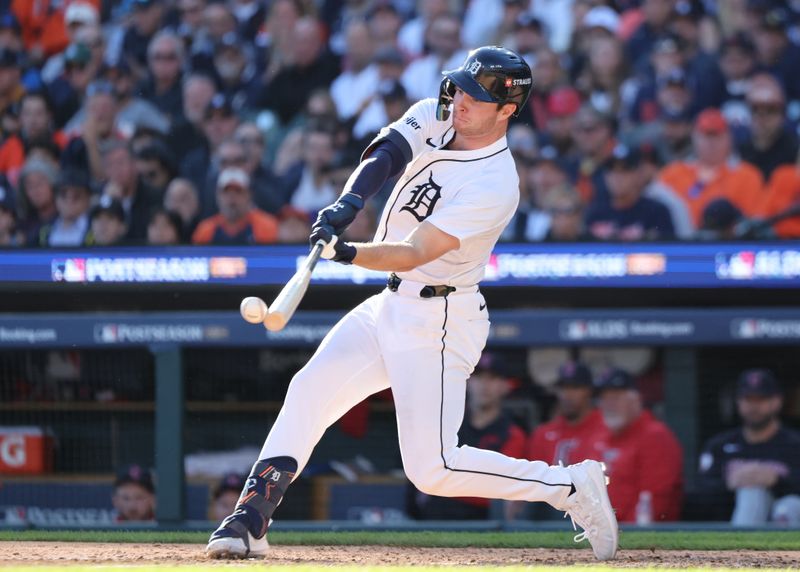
(389, 55)
(492, 363)
(121, 67)
(692, 9)
(230, 482)
(528, 20)
(108, 205)
(574, 374)
(77, 54)
(625, 156)
(137, 475)
(759, 382)
(720, 214)
(615, 379)
(219, 104)
(9, 58)
(675, 76)
(738, 41)
(73, 178)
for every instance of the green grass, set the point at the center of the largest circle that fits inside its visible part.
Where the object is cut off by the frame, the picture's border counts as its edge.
(666, 540)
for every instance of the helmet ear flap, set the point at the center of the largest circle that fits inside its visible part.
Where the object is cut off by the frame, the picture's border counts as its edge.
(447, 91)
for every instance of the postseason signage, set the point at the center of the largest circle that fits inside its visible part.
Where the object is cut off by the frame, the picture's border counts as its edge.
(687, 265)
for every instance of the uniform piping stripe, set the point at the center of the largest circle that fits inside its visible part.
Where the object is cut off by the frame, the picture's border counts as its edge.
(389, 213)
(441, 425)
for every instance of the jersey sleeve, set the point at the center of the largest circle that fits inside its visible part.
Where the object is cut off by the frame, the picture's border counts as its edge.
(413, 131)
(477, 209)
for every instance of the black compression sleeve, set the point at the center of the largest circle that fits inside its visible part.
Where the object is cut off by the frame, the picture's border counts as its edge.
(384, 161)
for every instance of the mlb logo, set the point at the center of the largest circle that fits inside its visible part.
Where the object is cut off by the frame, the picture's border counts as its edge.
(106, 333)
(509, 82)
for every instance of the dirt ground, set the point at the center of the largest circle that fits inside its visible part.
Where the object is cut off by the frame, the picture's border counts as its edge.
(59, 553)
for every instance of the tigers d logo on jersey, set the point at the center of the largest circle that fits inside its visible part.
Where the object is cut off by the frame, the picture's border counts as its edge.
(423, 199)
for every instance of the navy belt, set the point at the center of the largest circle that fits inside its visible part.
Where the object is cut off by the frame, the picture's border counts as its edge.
(393, 283)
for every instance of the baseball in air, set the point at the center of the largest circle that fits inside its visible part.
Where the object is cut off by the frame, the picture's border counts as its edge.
(253, 310)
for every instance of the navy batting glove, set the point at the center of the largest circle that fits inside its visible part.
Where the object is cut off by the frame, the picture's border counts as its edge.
(345, 252)
(340, 214)
(323, 232)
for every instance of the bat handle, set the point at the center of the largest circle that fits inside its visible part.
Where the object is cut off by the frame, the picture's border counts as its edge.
(313, 257)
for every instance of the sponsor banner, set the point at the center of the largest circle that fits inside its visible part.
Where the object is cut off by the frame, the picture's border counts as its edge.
(592, 265)
(674, 327)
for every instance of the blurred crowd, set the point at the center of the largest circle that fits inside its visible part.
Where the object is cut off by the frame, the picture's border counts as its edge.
(235, 121)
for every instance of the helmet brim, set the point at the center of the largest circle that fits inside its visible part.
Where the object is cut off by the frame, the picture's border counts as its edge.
(466, 83)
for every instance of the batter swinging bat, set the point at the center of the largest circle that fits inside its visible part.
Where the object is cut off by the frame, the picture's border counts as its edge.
(281, 311)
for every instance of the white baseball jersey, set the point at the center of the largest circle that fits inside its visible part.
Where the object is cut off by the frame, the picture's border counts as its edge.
(470, 195)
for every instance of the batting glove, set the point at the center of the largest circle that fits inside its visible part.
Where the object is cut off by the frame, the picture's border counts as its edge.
(340, 214)
(338, 251)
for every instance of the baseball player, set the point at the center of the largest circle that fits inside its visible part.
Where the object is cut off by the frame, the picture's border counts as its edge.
(422, 335)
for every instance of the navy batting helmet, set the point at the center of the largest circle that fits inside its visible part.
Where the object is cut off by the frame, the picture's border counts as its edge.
(492, 74)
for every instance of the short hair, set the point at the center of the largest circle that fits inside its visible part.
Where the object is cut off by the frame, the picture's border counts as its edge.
(170, 35)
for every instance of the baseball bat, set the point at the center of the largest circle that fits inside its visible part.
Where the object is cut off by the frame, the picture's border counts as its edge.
(282, 310)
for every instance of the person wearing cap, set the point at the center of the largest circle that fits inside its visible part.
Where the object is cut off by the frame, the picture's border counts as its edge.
(594, 134)
(225, 496)
(307, 182)
(628, 215)
(486, 425)
(657, 19)
(561, 106)
(570, 436)
(164, 228)
(715, 172)
(411, 37)
(770, 143)
(9, 235)
(642, 455)
(134, 495)
(146, 19)
(233, 64)
(751, 475)
(36, 194)
(67, 90)
(388, 103)
(186, 132)
(71, 225)
(107, 226)
(44, 29)
(11, 88)
(566, 211)
(353, 89)
(182, 198)
(775, 52)
(238, 220)
(528, 33)
(550, 77)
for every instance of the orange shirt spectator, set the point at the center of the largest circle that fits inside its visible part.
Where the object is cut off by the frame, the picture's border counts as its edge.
(238, 221)
(641, 453)
(712, 175)
(43, 27)
(783, 191)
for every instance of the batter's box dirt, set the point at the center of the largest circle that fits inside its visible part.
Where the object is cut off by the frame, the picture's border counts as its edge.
(58, 553)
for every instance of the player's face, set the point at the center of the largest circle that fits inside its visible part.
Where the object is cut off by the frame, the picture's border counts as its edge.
(619, 407)
(573, 401)
(474, 118)
(757, 412)
(486, 390)
(133, 502)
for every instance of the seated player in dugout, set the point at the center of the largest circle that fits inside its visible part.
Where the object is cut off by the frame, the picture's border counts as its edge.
(487, 426)
(751, 475)
(134, 495)
(225, 496)
(423, 335)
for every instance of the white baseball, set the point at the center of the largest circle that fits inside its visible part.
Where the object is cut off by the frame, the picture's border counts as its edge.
(253, 310)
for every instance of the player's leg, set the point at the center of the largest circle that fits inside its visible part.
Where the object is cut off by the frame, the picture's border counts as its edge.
(346, 368)
(428, 373)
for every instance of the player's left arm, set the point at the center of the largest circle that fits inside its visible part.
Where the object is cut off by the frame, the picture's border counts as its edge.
(424, 244)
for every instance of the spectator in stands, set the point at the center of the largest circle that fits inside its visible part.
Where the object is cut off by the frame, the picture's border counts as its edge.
(37, 195)
(164, 228)
(98, 129)
(165, 60)
(78, 17)
(238, 221)
(562, 105)
(594, 139)
(234, 65)
(548, 75)
(356, 85)
(294, 226)
(309, 187)
(775, 53)
(43, 29)
(770, 143)
(186, 132)
(423, 76)
(411, 38)
(721, 219)
(571, 435)
(563, 205)
(133, 110)
(384, 21)
(628, 215)
(751, 475)
(642, 456)
(155, 165)
(650, 166)
(107, 222)
(35, 124)
(145, 22)
(602, 78)
(737, 61)
(134, 495)
(485, 425)
(181, 198)
(218, 20)
(125, 184)
(9, 235)
(715, 173)
(674, 138)
(656, 22)
(71, 225)
(67, 90)
(250, 15)
(312, 66)
(225, 496)
(11, 89)
(388, 104)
